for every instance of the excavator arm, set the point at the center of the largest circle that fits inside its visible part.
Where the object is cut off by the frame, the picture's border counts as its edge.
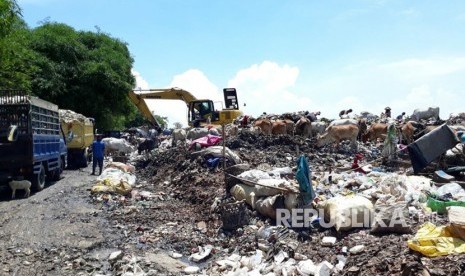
(139, 96)
(197, 108)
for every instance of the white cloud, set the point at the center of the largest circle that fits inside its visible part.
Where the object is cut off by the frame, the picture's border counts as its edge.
(415, 68)
(267, 87)
(403, 85)
(140, 82)
(193, 81)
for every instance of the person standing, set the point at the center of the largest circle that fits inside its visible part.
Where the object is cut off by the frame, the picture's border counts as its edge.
(400, 118)
(98, 148)
(387, 112)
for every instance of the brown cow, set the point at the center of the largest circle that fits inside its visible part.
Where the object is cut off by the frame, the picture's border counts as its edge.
(264, 125)
(290, 125)
(335, 134)
(303, 127)
(278, 127)
(377, 130)
(407, 131)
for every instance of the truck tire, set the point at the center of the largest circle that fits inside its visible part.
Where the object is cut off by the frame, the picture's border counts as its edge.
(57, 172)
(38, 180)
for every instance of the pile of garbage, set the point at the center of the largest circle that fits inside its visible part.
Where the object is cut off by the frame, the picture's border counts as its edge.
(364, 220)
(116, 178)
(68, 116)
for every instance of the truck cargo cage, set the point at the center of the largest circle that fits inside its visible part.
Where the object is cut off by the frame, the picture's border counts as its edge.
(14, 110)
(28, 113)
(13, 97)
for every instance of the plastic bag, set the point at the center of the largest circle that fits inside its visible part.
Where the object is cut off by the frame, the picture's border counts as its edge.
(345, 213)
(391, 218)
(244, 192)
(433, 241)
(440, 206)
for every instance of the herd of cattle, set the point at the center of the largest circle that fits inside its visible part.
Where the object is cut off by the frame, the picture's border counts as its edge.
(363, 128)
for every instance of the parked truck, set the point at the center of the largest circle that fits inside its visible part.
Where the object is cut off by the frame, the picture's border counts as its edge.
(79, 133)
(32, 144)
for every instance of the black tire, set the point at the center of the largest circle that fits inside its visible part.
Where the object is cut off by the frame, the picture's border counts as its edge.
(38, 180)
(57, 172)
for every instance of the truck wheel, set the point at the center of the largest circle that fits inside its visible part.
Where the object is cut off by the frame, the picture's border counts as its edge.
(38, 180)
(57, 172)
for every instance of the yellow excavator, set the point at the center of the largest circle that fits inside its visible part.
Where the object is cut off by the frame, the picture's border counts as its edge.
(200, 111)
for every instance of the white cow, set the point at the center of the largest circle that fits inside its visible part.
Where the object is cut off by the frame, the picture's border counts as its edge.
(425, 114)
(115, 145)
(341, 122)
(178, 134)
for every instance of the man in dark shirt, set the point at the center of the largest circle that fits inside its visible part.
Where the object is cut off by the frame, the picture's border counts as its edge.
(312, 115)
(98, 148)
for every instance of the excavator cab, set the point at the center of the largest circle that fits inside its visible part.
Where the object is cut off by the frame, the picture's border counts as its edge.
(201, 111)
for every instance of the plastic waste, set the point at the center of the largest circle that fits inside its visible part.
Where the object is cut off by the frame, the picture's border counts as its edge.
(451, 188)
(440, 206)
(357, 249)
(433, 241)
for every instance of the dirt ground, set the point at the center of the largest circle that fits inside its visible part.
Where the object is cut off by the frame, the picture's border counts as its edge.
(65, 230)
(60, 231)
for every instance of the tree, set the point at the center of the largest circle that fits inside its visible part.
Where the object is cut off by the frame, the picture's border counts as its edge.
(15, 57)
(9, 14)
(87, 72)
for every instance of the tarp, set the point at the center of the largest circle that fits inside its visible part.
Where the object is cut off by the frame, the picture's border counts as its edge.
(303, 176)
(431, 146)
(206, 141)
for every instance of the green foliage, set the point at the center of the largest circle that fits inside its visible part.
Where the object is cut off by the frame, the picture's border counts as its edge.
(87, 72)
(15, 57)
(9, 14)
(162, 121)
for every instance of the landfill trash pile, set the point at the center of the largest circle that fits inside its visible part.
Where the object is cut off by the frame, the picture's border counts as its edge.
(217, 223)
(69, 116)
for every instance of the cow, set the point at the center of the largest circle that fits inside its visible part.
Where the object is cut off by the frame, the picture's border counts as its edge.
(178, 134)
(426, 130)
(264, 125)
(290, 125)
(425, 114)
(318, 128)
(115, 145)
(340, 122)
(196, 133)
(278, 127)
(147, 145)
(376, 130)
(407, 130)
(336, 134)
(303, 127)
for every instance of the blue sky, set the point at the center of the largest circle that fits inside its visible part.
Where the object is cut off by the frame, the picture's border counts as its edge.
(285, 56)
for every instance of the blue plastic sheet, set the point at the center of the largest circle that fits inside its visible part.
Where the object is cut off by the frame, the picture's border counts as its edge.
(303, 176)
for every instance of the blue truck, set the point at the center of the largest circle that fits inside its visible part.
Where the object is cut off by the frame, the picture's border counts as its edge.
(32, 144)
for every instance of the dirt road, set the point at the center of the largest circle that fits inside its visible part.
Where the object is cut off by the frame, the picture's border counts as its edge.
(62, 230)
(49, 232)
